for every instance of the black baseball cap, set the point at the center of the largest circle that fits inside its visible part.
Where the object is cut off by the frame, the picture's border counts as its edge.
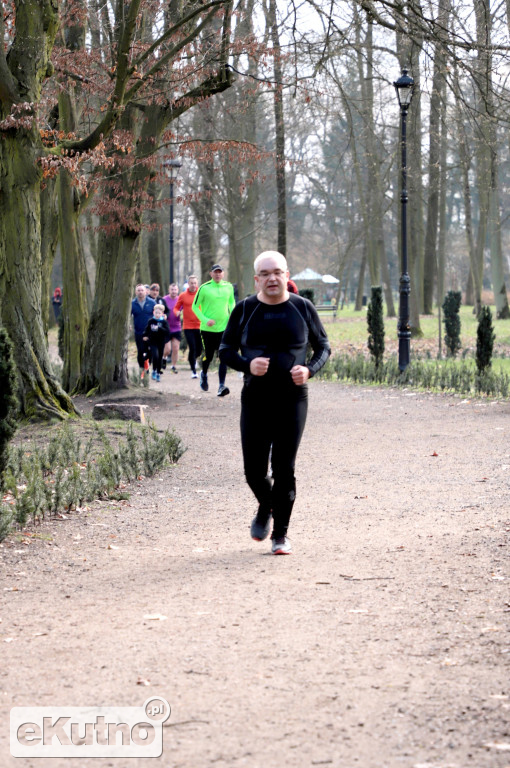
(216, 268)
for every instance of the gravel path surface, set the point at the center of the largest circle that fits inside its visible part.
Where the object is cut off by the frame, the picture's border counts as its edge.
(382, 641)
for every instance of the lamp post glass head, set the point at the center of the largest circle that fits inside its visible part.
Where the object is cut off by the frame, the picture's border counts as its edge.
(404, 87)
(172, 168)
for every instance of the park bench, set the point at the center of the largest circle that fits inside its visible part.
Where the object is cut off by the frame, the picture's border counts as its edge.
(327, 308)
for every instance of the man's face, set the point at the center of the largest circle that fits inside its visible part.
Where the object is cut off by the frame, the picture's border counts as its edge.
(271, 278)
(173, 290)
(193, 285)
(141, 293)
(217, 275)
(154, 291)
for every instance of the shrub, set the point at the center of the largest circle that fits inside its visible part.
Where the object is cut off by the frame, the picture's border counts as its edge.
(451, 307)
(452, 376)
(65, 473)
(8, 401)
(6, 520)
(308, 293)
(375, 323)
(485, 337)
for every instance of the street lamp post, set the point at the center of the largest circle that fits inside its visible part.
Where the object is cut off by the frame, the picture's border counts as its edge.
(171, 170)
(404, 87)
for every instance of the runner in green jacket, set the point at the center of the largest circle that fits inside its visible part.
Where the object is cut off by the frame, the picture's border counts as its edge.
(212, 305)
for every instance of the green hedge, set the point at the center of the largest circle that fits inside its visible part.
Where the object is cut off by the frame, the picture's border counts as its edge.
(450, 376)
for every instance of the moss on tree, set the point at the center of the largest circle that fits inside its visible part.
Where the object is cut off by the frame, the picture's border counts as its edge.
(8, 400)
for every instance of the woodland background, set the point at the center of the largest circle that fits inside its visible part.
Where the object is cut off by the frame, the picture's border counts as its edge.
(286, 121)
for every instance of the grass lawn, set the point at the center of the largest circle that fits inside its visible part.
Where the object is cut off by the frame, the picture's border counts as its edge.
(348, 333)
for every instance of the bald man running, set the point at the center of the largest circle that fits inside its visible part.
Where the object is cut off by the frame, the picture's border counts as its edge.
(267, 338)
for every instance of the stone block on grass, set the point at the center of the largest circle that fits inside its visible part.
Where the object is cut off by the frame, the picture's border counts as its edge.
(125, 411)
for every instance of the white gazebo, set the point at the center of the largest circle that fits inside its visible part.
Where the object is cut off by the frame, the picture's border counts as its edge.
(311, 275)
(307, 274)
(320, 284)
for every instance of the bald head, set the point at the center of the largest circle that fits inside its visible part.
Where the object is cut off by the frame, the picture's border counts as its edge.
(274, 255)
(271, 275)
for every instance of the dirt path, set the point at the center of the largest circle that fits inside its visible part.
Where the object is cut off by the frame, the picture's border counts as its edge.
(383, 641)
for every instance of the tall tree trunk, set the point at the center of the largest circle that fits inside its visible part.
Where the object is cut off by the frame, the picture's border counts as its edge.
(204, 212)
(360, 291)
(21, 298)
(152, 242)
(498, 275)
(441, 246)
(75, 309)
(436, 98)
(345, 252)
(360, 172)
(20, 211)
(203, 118)
(241, 192)
(415, 205)
(494, 213)
(470, 295)
(49, 240)
(371, 162)
(105, 360)
(376, 195)
(281, 194)
(483, 154)
(474, 287)
(241, 229)
(364, 168)
(188, 242)
(203, 208)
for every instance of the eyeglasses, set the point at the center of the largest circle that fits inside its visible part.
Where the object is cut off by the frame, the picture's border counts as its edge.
(276, 272)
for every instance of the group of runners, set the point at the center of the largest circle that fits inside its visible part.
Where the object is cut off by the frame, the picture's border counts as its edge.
(266, 337)
(205, 313)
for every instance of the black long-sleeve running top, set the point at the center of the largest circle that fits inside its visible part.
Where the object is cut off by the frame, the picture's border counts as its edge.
(278, 331)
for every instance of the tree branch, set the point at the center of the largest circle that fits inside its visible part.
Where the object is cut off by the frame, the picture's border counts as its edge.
(197, 12)
(8, 87)
(121, 97)
(215, 84)
(168, 56)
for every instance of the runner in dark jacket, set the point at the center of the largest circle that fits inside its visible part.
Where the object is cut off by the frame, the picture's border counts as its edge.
(156, 335)
(141, 310)
(272, 330)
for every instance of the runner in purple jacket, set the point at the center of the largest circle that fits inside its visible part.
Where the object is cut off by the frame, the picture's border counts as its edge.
(174, 323)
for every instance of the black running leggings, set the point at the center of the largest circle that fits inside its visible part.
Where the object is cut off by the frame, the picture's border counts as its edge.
(211, 343)
(156, 352)
(194, 346)
(272, 422)
(142, 349)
